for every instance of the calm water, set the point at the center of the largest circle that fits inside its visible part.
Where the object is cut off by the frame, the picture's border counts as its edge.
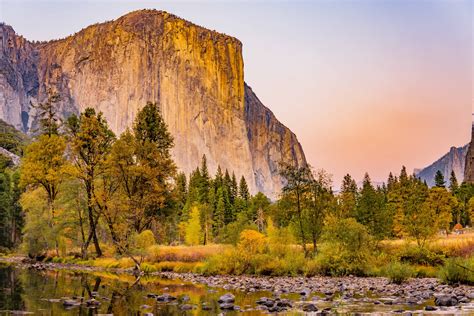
(41, 293)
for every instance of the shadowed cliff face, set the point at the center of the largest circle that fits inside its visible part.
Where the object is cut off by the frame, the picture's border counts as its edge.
(469, 169)
(454, 160)
(196, 76)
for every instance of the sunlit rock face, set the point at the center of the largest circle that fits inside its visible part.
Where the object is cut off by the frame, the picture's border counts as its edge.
(196, 75)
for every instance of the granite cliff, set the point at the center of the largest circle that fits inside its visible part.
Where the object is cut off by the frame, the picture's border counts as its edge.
(469, 166)
(196, 75)
(455, 160)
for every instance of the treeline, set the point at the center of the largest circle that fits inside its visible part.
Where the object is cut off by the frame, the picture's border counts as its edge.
(11, 216)
(79, 186)
(404, 207)
(82, 190)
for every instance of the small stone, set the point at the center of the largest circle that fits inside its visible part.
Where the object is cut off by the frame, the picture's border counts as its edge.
(186, 307)
(227, 298)
(310, 307)
(92, 302)
(305, 292)
(68, 303)
(206, 307)
(165, 298)
(430, 308)
(446, 300)
(226, 306)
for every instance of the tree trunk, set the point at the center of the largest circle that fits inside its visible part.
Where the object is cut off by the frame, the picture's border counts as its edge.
(113, 234)
(90, 210)
(300, 219)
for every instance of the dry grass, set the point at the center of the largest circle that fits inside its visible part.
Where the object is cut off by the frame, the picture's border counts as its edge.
(182, 253)
(452, 245)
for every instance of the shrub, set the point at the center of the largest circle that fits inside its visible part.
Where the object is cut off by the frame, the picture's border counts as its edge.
(425, 272)
(311, 268)
(346, 249)
(144, 240)
(421, 256)
(457, 271)
(398, 272)
(227, 262)
(251, 242)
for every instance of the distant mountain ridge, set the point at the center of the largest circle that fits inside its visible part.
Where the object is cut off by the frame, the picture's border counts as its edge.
(455, 160)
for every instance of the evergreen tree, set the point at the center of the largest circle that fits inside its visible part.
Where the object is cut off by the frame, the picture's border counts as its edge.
(181, 190)
(453, 182)
(194, 187)
(348, 197)
(5, 209)
(47, 113)
(204, 182)
(142, 160)
(219, 178)
(391, 181)
(233, 188)
(244, 189)
(403, 176)
(371, 210)
(219, 214)
(439, 179)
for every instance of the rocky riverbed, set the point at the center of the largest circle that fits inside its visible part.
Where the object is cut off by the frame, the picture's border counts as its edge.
(318, 295)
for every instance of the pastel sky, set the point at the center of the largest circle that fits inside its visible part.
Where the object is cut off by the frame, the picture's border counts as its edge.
(366, 85)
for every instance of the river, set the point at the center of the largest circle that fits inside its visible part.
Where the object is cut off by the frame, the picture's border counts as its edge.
(60, 292)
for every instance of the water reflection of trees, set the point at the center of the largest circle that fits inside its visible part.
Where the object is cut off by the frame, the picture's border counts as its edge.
(10, 290)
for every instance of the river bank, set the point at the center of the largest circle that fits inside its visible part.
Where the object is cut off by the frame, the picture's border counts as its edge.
(306, 293)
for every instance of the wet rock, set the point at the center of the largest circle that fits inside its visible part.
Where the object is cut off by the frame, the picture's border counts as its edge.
(92, 303)
(165, 298)
(464, 300)
(206, 307)
(284, 303)
(305, 292)
(53, 300)
(430, 308)
(446, 300)
(227, 298)
(227, 306)
(310, 307)
(186, 307)
(70, 303)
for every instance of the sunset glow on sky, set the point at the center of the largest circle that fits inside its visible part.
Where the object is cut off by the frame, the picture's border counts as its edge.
(365, 85)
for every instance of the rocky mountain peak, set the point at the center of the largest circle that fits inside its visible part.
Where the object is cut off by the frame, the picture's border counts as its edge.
(196, 76)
